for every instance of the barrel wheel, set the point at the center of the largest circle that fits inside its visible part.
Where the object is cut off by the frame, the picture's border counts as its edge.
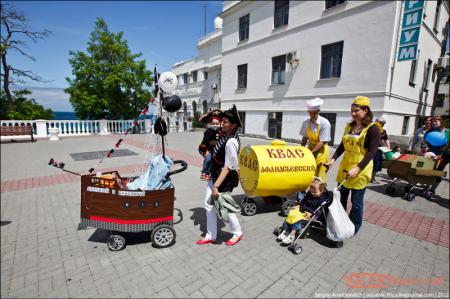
(249, 207)
(286, 205)
(163, 236)
(115, 242)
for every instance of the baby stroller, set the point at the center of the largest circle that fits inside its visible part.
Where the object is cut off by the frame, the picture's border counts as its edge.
(317, 221)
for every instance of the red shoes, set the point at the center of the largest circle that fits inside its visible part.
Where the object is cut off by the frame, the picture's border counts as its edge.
(230, 242)
(205, 241)
(237, 239)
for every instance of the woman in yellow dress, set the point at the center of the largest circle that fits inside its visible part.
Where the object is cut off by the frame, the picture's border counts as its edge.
(359, 145)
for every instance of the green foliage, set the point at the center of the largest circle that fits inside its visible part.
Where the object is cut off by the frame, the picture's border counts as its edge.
(23, 108)
(109, 82)
(198, 124)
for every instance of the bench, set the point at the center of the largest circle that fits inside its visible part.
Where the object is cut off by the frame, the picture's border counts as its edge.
(16, 131)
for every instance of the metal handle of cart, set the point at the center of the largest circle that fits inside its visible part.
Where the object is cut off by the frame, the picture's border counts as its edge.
(184, 166)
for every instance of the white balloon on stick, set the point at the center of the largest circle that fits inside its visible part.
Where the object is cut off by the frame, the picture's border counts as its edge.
(168, 82)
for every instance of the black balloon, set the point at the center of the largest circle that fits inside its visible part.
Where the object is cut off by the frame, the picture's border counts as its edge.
(172, 103)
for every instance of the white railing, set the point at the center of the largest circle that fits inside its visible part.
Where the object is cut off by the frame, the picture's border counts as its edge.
(80, 127)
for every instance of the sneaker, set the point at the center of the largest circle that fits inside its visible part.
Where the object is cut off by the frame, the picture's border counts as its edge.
(289, 239)
(203, 176)
(282, 236)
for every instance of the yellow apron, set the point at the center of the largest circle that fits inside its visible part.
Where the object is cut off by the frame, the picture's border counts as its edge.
(321, 155)
(353, 154)
(295, 215)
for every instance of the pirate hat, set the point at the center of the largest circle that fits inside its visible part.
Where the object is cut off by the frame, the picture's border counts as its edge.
(210, 115)
(233, 115)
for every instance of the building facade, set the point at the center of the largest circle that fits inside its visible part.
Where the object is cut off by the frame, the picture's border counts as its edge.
(276, 55)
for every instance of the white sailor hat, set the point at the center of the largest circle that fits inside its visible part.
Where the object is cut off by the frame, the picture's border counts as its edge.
(314, 104)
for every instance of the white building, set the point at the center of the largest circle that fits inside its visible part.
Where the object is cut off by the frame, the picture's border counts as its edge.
(277, 55)
(199, 78)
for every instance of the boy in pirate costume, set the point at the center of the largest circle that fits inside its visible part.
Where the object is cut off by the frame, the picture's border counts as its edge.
(316, 131)
(224, 177)
(210, 138)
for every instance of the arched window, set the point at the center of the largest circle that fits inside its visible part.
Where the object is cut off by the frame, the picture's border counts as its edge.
(205, 106)
(194, 109)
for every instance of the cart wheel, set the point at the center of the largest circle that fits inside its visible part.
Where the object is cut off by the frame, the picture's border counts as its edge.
(115, 242)
(163, 236)
(286, 205)
(429, 194)
(410, 197)
(277, 231)
(296, 248)
(250, 208)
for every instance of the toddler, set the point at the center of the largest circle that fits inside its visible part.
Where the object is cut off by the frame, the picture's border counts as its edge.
(210, 137)
(316, 195)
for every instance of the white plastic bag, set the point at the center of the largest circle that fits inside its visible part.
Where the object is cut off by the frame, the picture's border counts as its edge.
(339, 226)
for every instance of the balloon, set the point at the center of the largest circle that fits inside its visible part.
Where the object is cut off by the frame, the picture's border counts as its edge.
(171, 103)
(436, 138)
(168, 82)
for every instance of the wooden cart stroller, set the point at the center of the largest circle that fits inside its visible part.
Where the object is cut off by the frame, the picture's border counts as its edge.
(106, 205)
(419, 172)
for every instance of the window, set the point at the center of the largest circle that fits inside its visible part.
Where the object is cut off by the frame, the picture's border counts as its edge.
(275, 124)
(331, 60)
(405, 125)
(440, 100)
(281, 15)
(185, 78)
(244, 23)
(333, 3)
(427, 75)
(194, 76)
(242, 76)
(205, 75)
(436, 16)
(278, 69)
(412, 73)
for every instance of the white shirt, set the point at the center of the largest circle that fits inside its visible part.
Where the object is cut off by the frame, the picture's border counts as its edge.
(325, 128)
(231, 156)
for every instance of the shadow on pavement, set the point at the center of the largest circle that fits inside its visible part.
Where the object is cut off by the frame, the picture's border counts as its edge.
(399, 188)
(199, 218)
(101, 235)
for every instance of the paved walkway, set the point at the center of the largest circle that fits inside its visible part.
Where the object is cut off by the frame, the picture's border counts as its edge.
(402, 248)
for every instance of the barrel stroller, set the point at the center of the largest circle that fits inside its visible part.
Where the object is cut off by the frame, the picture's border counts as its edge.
(272, 173)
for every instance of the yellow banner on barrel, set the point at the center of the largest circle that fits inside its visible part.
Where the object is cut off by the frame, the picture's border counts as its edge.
(275, 169)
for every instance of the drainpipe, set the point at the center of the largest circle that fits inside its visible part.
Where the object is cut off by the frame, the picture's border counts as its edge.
(398, 18)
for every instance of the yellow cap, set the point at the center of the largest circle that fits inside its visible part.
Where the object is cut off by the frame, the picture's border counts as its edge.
(361, 101)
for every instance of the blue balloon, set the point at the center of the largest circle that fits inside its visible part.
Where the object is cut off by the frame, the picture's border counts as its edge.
(436, 138)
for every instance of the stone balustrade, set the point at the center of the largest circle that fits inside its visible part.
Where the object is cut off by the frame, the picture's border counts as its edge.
(81, 127)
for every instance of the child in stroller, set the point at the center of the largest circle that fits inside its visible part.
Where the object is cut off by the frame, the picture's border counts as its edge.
(307, 210)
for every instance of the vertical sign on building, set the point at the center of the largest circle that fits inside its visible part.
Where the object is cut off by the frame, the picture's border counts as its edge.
(409, 38)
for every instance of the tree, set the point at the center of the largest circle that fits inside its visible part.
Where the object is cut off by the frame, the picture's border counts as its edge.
(14, 26)
(23, 108)
(109, 82)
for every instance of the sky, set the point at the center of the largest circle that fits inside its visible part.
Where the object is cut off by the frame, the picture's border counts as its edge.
(165, 32)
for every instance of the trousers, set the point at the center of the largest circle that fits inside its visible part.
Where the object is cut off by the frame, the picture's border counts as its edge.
(211, 218)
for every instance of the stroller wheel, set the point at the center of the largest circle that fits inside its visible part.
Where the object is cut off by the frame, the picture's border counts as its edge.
(163, 236)
(296, 248)
(429, 194)
(411, 197)
(277, 231)
(115, 242)
(249, 207)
